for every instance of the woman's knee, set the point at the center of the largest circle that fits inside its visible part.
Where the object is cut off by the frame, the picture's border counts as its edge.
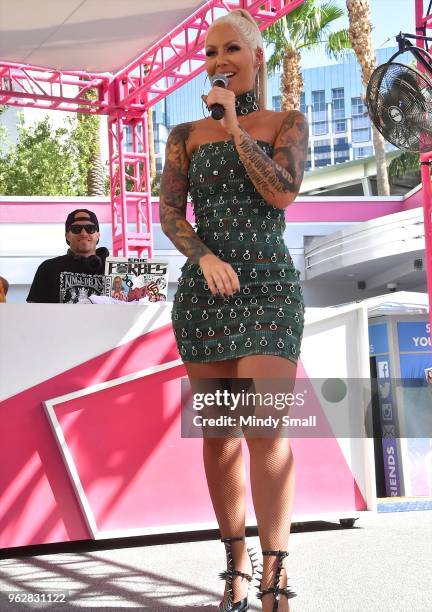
(268, 446)
(222, 445)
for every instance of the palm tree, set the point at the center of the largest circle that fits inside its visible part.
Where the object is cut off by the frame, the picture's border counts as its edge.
(89, 125)
(306, 28)
(360, 36)
(407, 162)
(96, 173)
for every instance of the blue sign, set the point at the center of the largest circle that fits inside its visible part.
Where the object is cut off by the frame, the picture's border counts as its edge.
(416, 366)
(416, 402)
(378, 339)
(414, 336)
(389, 428)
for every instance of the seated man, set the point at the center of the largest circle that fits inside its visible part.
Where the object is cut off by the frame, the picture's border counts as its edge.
(72, 278)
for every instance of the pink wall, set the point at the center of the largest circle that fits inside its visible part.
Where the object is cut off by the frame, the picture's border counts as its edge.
(414, 201)
(308, 210)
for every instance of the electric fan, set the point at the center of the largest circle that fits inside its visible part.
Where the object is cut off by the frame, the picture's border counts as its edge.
(399, 100)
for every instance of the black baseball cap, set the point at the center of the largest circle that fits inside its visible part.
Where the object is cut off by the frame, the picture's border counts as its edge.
(77, 215)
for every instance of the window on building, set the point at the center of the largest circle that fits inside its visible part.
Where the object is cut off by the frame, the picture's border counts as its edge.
(362, 135)
(128, 137)
(322, 146)
(341, 156)
(319, 112)
(360, 152)
(340, 126)
(338, 103)
(277, 103)
(303, 108)
(360, 122)
(127, 130)
(159, 165)
(338, 110)
(319, 128)
(357, 107)
(159, 112)
(318, 101)
(322, 159)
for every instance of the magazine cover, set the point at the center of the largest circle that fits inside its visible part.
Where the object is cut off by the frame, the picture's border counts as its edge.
(131, 279)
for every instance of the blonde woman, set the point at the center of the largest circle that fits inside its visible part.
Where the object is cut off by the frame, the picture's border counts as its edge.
(238, 311)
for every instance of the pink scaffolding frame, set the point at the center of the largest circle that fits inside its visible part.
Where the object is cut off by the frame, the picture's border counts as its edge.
(126, 97)
(423, 22)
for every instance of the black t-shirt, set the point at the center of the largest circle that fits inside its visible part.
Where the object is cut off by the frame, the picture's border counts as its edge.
(68, 280)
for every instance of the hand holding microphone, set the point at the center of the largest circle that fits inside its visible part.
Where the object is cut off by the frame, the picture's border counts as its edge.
(221, 102)
(217, 110)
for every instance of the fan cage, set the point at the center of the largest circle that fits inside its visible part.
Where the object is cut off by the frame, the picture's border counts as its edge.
(409, 131)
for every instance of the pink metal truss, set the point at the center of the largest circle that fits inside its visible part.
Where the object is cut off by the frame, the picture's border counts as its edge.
(130, 184)
(125, 98)
(30, 86)
(423, 22)
(179, 56)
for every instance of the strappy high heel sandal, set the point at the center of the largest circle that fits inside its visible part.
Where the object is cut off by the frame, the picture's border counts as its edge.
(227, 604)
(276, 590)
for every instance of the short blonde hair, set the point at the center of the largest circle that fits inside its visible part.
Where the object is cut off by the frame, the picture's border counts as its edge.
(246, 26)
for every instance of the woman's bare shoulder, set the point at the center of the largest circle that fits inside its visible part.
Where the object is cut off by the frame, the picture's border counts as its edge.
(181, 132)
(290, 116)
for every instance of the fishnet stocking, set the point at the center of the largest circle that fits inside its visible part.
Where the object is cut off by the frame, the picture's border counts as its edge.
(272, 481)
(223, 462)
(271, 473)
(226, 478)
(272, 477)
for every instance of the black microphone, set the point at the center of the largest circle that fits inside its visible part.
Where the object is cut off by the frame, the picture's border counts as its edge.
(218, 80)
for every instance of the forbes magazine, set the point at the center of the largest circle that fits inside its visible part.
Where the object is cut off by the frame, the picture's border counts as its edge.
(132, 279)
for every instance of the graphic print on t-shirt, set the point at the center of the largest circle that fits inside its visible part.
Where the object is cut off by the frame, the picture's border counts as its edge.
(75, 288)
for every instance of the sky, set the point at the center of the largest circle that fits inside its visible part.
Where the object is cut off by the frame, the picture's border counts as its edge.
(388, 18)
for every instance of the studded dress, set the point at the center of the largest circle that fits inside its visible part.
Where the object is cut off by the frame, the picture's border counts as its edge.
(266, 317)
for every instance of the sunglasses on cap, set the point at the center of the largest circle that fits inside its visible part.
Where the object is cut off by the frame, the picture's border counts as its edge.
(89, 228)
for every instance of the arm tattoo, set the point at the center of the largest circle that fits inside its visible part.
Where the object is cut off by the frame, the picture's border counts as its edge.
(173, 196)
(284, 173)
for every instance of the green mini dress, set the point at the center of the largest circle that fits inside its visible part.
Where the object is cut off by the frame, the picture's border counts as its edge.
(266, 317)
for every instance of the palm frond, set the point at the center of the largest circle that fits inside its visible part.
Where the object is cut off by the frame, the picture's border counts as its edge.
(315, 22)
(276, 33)
(276, 60)
(407, 162)
(306, 26)
(338, 43)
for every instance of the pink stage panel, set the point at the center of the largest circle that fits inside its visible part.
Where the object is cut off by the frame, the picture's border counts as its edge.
(136, 470)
